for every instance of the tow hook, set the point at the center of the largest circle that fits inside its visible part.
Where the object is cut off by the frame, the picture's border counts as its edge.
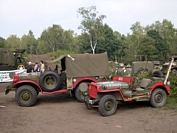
(7, 90)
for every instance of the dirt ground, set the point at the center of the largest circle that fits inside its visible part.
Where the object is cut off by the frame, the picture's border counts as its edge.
(63, 114)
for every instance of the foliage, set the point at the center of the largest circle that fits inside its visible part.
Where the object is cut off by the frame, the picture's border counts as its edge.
(55, 38)
(29, 43)
(143, 75)
(83, 41)
(2, 42)
(13, 42)
(172, 98)
(173, 80)
(92, 25)
(159, 43)
(110, 44)
(156, 41)
(58, 53)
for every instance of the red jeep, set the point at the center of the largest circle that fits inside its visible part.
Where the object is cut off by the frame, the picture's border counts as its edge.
(75, 70)
(107, 95)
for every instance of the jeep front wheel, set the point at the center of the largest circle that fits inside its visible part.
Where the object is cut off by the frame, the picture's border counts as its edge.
(107, 105)
(89, 106)
(158, 98)
(26, 96)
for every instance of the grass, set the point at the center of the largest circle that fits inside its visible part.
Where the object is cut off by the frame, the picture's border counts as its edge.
(171, 104)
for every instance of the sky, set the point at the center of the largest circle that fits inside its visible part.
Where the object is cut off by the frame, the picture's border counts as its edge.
(17, 17)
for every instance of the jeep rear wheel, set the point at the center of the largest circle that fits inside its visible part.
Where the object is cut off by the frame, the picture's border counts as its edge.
(26, 96)
(50, 81)
(107, 105)
(158, 98)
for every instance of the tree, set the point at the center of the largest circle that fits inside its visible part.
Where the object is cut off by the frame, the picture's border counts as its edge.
(122, 47)
(2, 42)
(159, 43)
(167, 32)
(55, 38)
(52, 37)
(92, 24)
(13, 42)
(29, 43)
(83, 41)
(147, 50)
(110, 44)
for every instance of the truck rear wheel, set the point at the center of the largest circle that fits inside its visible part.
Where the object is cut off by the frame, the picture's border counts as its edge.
(26, 96)
(158, 98)
(107, 105)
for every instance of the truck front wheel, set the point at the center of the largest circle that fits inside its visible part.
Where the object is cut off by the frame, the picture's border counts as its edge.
(158, 98)
(26, 96)
(107, 105)
(78, 94)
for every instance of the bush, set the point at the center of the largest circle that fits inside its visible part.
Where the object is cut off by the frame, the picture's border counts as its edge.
(172, 98)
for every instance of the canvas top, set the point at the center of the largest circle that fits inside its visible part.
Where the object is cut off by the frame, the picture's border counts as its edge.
(79, 65)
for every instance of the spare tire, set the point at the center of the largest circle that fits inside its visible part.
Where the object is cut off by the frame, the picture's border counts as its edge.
(49, 81)
(157, 74)
(142, 71)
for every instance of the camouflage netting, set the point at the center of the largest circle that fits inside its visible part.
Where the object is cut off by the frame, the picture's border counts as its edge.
(7, 57)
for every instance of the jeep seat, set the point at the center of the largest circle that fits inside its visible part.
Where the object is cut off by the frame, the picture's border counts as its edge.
(143, 84)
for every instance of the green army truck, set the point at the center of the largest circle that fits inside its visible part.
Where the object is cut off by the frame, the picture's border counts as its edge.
(11, 60)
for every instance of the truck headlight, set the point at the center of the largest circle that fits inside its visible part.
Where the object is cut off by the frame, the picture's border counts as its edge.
(74, 80)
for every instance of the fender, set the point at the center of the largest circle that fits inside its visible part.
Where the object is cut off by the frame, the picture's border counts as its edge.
(160, 84)
(84, 79)
(29, 82)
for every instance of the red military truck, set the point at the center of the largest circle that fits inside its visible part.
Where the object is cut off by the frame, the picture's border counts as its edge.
(75, 70)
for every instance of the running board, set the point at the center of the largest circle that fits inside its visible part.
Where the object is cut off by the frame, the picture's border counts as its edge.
(142, 99)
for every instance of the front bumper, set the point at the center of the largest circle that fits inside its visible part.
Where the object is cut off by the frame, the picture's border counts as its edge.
(9, 88)
(90, 101)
